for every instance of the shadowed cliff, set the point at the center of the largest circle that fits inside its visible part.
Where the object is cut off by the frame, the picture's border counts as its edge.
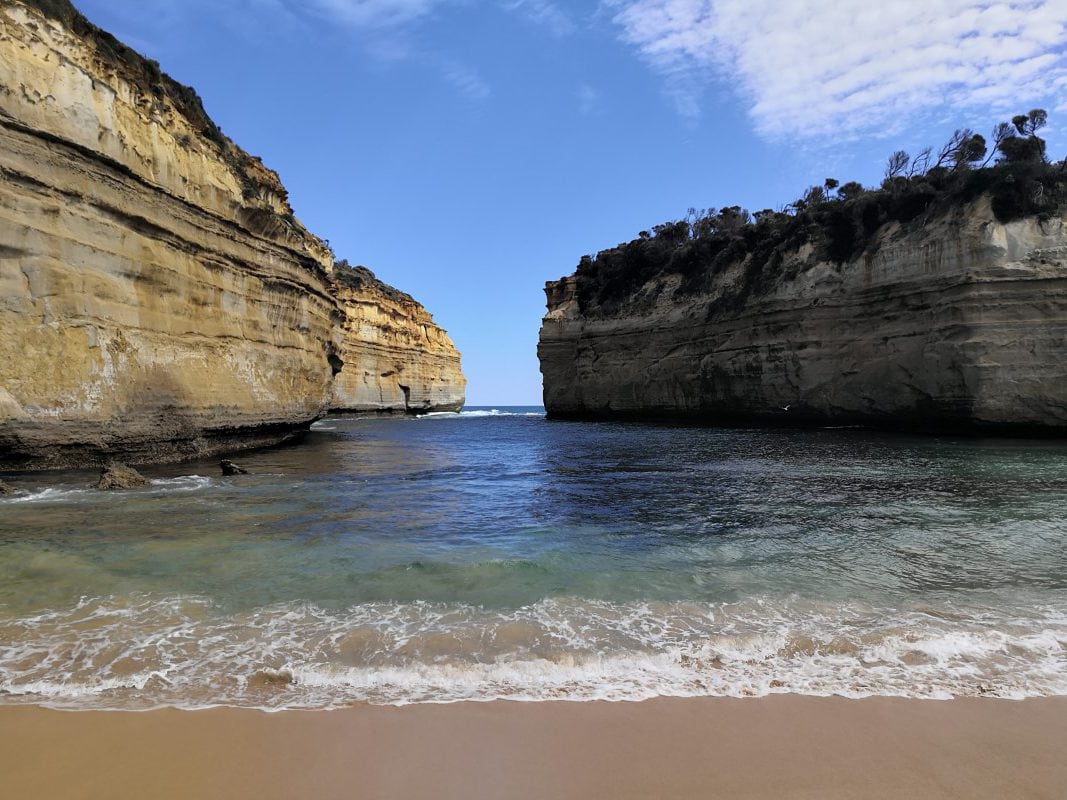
(936, 302)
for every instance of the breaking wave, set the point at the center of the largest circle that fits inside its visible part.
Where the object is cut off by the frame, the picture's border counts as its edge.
(183, 651)
(66, 494)
(478, 413)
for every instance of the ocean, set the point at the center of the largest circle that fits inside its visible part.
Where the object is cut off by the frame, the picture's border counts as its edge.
(496, 554)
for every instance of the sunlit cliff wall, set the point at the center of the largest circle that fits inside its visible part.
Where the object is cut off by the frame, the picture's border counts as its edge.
(396, 358)
(158, 299)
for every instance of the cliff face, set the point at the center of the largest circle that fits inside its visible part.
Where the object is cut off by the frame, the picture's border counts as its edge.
(957, 324)
(396, 358)
(158, 300)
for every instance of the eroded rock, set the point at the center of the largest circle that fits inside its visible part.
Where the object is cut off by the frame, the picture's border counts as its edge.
(395, 357)
(119, 476)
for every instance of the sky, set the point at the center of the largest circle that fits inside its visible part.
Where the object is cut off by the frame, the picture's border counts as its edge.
(469, 150)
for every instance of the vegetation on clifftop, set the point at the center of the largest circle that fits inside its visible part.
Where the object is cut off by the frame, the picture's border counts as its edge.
(839, 221)
(360, 278)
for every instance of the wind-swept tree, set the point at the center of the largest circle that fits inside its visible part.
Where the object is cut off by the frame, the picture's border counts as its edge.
(1002, 131)
(970, 151)
(921, 163)
(1030, 123)
(851, 190)
(1027, 146)
(897, 164)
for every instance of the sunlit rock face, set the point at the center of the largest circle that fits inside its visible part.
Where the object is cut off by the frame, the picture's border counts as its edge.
(158, 299)
(960, 324)
(396, 359)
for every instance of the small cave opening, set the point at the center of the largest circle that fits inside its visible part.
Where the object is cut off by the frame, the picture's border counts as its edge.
(335, 361)
(407, 396)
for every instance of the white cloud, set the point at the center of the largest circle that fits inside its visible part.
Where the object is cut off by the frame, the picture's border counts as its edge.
(813, 67)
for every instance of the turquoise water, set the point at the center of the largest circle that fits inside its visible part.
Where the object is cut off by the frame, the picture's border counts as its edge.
(497, 554)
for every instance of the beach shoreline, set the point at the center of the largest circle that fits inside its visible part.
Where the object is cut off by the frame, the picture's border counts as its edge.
(783, 746)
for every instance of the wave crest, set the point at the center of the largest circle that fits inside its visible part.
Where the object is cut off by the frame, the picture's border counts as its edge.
(148, 652)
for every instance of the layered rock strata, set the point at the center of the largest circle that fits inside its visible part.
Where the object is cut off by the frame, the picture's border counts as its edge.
(396, 359)
(958, 324)
(158, 299)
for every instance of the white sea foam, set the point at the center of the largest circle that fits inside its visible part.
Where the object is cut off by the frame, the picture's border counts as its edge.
(66, 494)
(491, 412)
(49, 495)
(183, 483)
(184, 652)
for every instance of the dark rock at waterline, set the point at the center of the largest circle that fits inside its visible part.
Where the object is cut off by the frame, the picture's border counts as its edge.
(229, 468)
(119, 476)
(271, 679)
(5, 489)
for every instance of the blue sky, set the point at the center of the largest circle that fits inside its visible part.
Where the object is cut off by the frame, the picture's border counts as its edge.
(468, 151)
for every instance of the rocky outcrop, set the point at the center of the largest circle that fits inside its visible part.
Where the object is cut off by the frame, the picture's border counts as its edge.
(158, 299)
(959, 323)
(396, 359)
(117, 476)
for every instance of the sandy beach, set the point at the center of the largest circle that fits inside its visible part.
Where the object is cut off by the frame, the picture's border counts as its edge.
(776, 747)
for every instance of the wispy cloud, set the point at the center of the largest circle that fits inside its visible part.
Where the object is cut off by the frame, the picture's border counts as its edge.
(814, 67)
(385, 30)
(544, 12)
(373, 13)
(588, 99)
(465, 79)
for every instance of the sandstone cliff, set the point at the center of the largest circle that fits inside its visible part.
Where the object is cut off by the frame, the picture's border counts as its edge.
(158, 299)
(955, 322)
(395, 357)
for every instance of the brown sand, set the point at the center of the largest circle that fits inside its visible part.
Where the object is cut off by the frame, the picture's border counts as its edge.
(777, 747)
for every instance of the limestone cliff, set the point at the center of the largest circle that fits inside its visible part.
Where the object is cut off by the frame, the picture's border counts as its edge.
(158, 299)
(955, 322)
(396, 358)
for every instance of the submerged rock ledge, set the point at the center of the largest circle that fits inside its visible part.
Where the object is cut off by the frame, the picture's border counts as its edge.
(158, 298)
(956, 324)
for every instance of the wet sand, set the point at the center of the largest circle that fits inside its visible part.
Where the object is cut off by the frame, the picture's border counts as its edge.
(776, 747)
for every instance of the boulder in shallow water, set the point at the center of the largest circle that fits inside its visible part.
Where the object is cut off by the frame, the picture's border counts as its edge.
(119, 476)
(5, 489)
(229, 468)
